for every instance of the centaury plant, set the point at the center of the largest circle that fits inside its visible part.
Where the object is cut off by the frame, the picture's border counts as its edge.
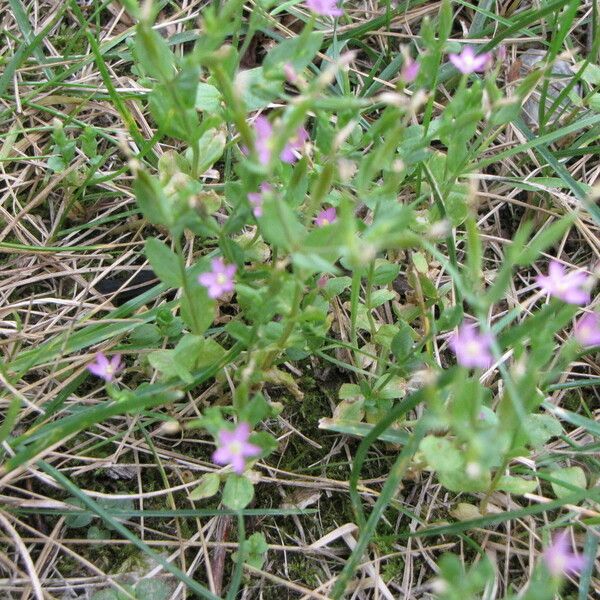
(345, 230)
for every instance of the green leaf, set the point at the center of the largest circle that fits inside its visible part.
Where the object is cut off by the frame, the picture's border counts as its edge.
(211, 146)
(440, 454)
(256, 90)
(153, 202)
(572, 476)
(152, 589)
(255, 411)
(420, 262)
(280, 226)
(238, 492)
(298, 51)
(146, 335)
(164, 262)
(394, 388)
(349, 391)
(105, 595)
(351, 410)
(75, 521)
(255, 550)
(154, 53)
(385, 273)
(208, 487)
(168, 364)
(336, 285)
(208, 98)
(402, 343)
(516, 485)
(382, 296)
(97, 533)
(540, 428)
(197, 309)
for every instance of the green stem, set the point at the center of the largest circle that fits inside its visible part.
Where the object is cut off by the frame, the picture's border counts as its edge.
(196, 329)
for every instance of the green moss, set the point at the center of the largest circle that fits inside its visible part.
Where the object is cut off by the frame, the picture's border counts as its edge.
(305, 570)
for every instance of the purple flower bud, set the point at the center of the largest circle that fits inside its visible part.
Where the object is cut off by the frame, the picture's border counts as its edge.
(410, 70)
(256, 199)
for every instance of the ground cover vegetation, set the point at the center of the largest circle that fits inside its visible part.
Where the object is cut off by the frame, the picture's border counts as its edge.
(298, 299)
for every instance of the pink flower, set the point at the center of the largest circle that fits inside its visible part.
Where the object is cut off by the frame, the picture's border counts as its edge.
(290, 72)
(559, 559)
(327, 8)
(219, 280)
(326, 217)
(296, 143)
(410, 70)
(234, 448)
(471, 347)
(468, 62)
(104, 368)
(263, 131)
(587, 330)
(569, 287)
(263, 142)
(256, 199)
(322, 281)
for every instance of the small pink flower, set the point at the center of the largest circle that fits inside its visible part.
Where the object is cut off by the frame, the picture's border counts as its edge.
(219, 280)
(263, 132)
(559, 559)
(256, 199)
(468, 62)
(263, 142)
(501, 53)
(569, 287)
(106, 369)
(290, 72)
(410, 70)
(326, 8)
(233, 448)
(587, 330)
(326, 217)
(471, 347)
(296, 143)
(322, 281)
